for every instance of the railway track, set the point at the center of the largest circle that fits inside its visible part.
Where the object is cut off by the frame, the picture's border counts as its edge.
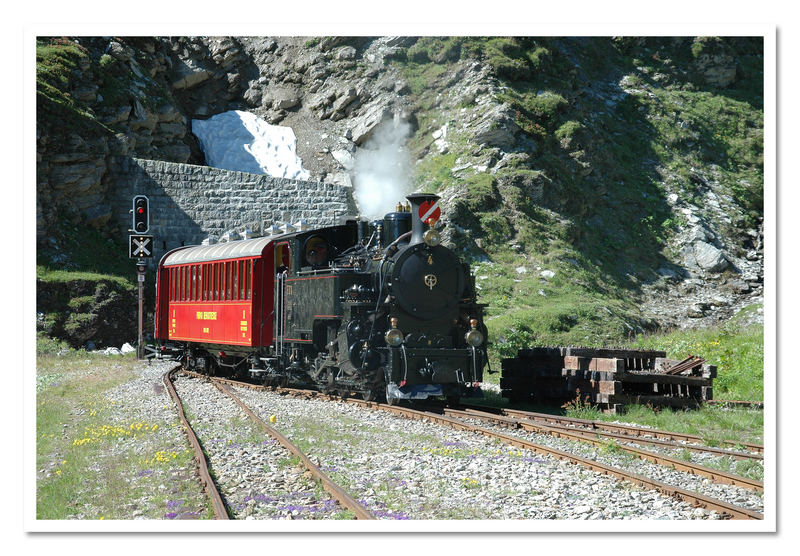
(688, 441)
(561, 431)
(219, 506)
(463, 421)
(209, 486)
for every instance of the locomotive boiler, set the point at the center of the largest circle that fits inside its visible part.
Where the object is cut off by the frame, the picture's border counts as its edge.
(380, 309)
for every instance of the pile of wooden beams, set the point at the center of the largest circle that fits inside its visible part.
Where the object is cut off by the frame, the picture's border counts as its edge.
(607, 378)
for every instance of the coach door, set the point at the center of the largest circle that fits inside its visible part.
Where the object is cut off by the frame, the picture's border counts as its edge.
(283, 262)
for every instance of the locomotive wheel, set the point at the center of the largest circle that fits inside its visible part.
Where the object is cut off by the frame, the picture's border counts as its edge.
(368, 395)
(376, 389)
(344, 394)
(453, 401)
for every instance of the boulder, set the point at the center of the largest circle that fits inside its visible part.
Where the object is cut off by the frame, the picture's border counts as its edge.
(178, 152)
(708, 257)
(187, 74)
(363, 126)
(696, 311)
(496, 128)
(143, 117)
(117, 115)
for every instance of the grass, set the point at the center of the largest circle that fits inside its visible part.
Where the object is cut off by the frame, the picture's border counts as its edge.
(97, 460)
(737, 351)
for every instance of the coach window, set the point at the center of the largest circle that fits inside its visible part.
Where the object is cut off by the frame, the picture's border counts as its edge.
(222, 281)
(235, 281)
(216, 281)
(247, 272)
(227, 281)
(240, 287)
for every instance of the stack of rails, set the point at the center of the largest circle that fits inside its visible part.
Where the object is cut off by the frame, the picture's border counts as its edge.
(607, 378)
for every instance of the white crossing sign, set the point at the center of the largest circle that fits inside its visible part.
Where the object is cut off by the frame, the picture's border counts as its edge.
(140, 247)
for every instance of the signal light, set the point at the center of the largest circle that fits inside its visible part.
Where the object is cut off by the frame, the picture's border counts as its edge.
(141, 214)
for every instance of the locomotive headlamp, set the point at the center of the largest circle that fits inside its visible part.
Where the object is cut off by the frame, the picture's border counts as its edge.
(432, 238)
(474, 336)
(394, 337)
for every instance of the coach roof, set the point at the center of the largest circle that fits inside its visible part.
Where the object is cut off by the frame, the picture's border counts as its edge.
(220, 251)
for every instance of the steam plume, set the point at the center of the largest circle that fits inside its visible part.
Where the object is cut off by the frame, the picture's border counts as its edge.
(382, 169)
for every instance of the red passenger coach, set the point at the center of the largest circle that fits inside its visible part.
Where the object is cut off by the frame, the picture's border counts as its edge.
(219, 295)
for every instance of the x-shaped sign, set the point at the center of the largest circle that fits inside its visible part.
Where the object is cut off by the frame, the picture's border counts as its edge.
(140, 246)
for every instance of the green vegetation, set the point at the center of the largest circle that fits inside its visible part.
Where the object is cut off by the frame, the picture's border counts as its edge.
(78, 475)
(736, 350)
(57, 60)
(589, 203)
(77, 290)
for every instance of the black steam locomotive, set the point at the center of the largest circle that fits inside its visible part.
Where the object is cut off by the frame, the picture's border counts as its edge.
(379, 309)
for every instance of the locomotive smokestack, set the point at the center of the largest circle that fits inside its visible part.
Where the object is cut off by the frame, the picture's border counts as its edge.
(424, 210)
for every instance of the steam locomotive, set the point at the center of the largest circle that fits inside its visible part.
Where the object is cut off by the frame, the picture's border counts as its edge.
(379, 309)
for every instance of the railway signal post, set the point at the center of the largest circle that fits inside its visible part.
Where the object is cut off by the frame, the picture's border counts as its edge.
(141, 268)
(140, 247)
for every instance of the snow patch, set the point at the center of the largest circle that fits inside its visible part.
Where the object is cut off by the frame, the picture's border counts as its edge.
(243, 142)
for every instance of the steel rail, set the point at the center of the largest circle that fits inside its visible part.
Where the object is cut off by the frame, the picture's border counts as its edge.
(627, 437)
(220, 510)
(342, 496)
(595, 439)
(726, 510)
(615, 427)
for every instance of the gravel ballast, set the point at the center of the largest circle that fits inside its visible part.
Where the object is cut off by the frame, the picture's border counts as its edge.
(403, 469)
(398, 468)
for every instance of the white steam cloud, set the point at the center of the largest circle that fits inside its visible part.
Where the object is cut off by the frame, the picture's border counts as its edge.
(382, 169)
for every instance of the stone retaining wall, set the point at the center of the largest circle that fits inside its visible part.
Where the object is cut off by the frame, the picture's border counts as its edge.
(188, 203)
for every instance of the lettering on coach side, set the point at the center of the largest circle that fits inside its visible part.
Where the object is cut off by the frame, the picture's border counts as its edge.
(206, 315)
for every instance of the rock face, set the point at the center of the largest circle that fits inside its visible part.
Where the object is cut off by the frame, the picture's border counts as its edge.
(141, 93)
(714, 62)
